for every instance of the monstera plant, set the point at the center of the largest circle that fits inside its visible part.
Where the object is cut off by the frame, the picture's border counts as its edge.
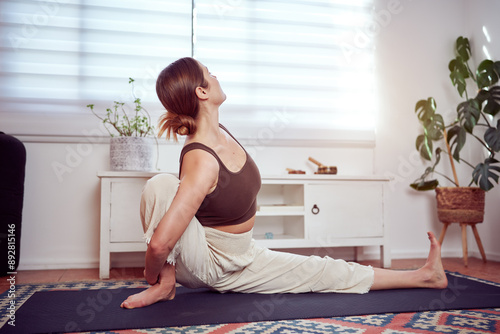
(476, 119)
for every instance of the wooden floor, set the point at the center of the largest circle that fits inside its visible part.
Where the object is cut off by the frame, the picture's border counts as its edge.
(489, 271)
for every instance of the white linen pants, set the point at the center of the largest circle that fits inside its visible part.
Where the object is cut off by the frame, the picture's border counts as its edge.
(207, 257)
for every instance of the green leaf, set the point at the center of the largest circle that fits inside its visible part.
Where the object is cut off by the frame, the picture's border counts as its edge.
(496, 67)
(492, 137)
(484, 172)
(492, 98)
(456, 138)
(482, 96)
(458, 80)
(424, 146)
(462, 48)
(469, 113)
(425, 185)
(425, 109)
(434, 127)
(421, 183)
(459, 70)
(486, 74)
(459, 65)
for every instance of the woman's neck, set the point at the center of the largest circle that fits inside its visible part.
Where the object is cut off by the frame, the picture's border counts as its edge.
(207, 127)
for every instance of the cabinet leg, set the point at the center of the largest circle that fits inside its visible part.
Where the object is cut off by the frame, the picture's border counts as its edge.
(464, 244)
(479, 243)
(385, 256)
(104, 264)
(358, 254)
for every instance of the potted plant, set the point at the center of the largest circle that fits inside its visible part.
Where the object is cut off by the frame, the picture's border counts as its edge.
(476, 118)
(132, 149)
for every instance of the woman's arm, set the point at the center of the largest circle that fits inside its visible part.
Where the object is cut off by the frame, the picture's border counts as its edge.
(199, 176)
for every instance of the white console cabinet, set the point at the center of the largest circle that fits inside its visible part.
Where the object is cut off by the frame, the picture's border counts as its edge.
(294, 211)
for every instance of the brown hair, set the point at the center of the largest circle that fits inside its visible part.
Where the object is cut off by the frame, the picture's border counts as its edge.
(176, 88)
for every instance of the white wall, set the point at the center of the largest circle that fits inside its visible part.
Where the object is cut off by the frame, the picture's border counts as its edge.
(61, 208)
(484, 18)
(413, 54)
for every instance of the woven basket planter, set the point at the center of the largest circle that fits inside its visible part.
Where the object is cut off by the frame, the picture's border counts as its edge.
(460, 204)
(131, 154)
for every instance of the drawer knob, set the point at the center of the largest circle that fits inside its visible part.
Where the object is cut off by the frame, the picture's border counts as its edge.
(315, 209)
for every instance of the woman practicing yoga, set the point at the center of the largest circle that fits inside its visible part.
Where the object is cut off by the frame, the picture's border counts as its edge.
(199, 226)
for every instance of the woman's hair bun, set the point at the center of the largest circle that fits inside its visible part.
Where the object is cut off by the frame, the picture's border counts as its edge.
(174, 124)
(183, 131)
(186, 125)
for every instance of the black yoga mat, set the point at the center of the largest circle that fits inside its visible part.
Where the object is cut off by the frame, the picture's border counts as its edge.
(98, 310)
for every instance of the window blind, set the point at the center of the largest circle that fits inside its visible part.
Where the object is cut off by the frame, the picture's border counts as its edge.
(58, 56)
(292, 62)
(292, 68)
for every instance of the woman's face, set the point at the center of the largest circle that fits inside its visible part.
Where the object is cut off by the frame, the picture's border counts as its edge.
(216, 94)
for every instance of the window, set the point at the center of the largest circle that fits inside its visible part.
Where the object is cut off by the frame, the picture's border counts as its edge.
(291, 67)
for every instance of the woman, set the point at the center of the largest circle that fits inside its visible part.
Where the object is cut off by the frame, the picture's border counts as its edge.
(199, 228)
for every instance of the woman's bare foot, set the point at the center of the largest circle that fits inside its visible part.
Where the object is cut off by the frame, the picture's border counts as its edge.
(155, 293)
(162, 291)
(433, 275)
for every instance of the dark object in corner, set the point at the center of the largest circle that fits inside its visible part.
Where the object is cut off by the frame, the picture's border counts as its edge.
(12, 173)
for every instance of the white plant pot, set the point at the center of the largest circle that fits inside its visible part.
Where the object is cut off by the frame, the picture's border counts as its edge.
(131, 154)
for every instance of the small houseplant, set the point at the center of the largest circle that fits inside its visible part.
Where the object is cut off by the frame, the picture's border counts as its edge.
(131, 145)
(476, 117)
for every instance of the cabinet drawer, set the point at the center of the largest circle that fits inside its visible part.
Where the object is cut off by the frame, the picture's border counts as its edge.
(353, 210)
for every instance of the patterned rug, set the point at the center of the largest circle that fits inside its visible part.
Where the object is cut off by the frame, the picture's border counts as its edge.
(454, 321)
